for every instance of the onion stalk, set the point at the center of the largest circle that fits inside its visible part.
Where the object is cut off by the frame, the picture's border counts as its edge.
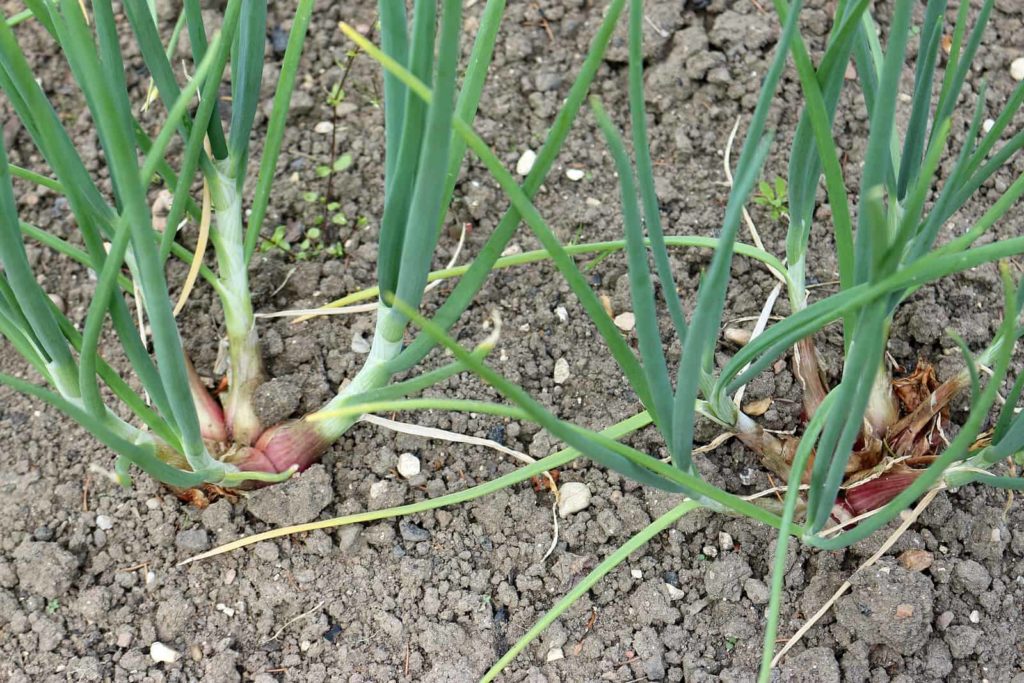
(182, 433)
(886, 249)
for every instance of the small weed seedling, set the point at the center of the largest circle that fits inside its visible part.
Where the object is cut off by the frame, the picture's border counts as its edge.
(773, 197)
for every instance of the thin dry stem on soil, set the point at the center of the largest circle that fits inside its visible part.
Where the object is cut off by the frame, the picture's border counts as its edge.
(908, 521)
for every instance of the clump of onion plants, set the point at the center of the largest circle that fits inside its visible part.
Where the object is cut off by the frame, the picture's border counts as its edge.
(868, 448)
(178, 431)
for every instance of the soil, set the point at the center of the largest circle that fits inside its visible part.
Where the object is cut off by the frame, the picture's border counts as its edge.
(88, 580)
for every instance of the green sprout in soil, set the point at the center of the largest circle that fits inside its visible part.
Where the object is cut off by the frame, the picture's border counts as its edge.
(871, 445)
(773, 197)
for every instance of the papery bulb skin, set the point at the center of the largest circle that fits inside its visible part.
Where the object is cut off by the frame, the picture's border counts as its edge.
(875, 493)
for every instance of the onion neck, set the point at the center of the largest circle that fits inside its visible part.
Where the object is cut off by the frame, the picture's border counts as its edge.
(245, 373)
(882, 411)
(776, 454)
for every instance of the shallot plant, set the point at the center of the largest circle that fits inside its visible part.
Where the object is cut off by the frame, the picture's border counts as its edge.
(177, 430)
(867, 450)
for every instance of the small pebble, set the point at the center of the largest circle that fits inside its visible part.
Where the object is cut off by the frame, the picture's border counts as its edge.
(636, 573)
(413, 533)
(710, 551)
(738, 335)
(944, 620)
(725, 541)
(161, 653)
(562, 314)
(58, 301)
(229, 577)
(359, 343)
(975, 616)
(153, 503)
(572, 497)
(408, 465)
(674, 593)
(526, 161)
(987, 125)
(574, 174)
(305, 645)
(221, 607)
(1017, 69)
(196, 653)
(561, 371)
(378, 489)
(554, 654)
(104, 522)
(192, 541)
(916, 559)
(124, 639)
(758, 407)
(323, 127)
(625, 321)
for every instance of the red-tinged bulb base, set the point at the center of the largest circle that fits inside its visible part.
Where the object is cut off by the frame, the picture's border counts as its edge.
(292, 444)
(877, 492)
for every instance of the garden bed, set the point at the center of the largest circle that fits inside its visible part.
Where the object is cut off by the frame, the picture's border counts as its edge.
(87, 570)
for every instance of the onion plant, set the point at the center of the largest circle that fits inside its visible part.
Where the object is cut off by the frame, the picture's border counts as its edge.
(176, 430)
(865, 455)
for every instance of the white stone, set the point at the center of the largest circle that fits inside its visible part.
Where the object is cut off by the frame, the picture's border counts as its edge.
(554, 654)
(562, 314)
(408, 465)
(975, 616)
(378, 488)
(674, 593)
(324, 127)
(221, 607)
(526, 161)
(58, 301)
(987, 125)
(161, 653)
(572, 497)
(124, 639)
(1017, 69)
(710, 551)
(359, 343)
(636, 573)
(625, 321)
(574, 174)
(561, 371)
(305, 645)
(725, 541)
(104, 522)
